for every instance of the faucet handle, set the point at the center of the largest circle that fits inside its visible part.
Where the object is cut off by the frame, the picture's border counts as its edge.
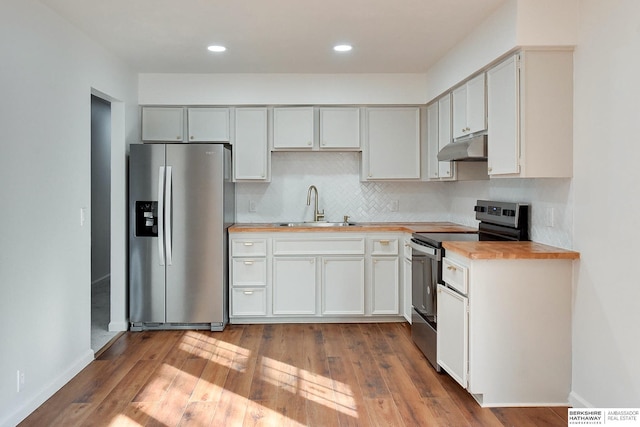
(345, 218)
(320, 215)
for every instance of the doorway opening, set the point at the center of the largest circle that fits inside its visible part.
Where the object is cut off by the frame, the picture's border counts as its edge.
(100, 223)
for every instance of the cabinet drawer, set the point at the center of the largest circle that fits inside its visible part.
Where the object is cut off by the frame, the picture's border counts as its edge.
(330, 246)
(249, 271)
(455, 275)
(248, 302)
(384, 246)
(248, 247)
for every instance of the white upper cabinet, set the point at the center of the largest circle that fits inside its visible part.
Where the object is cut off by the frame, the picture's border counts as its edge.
(445, 169)
(530, 115)
(251, 159)
(208, 124)
(433, 145)
(163, 124)
(438, 135)
(293, 128)
(167, 124)
(469, 107)
(503, 97)
(392, 143)
(340, 128)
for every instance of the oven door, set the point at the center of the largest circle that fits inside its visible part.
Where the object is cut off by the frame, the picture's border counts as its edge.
(425, 267)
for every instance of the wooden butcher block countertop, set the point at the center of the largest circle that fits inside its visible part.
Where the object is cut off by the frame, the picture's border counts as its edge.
(403, 227)
(508, 250)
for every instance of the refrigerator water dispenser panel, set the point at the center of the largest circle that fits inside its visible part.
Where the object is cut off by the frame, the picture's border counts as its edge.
(146, 219)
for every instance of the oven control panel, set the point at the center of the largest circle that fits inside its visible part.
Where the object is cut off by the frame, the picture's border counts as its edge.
(504, 213)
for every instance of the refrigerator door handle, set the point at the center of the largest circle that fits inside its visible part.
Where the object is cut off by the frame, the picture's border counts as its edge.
(161, 214)
(169, 208)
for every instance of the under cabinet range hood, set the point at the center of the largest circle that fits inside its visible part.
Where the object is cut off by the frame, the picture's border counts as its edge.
(472, 148)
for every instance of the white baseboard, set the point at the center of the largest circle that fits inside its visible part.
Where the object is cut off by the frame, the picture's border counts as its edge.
(49, 390)
(118, 326)
(577, 401)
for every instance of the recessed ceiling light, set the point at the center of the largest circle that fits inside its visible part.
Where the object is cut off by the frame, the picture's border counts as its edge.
(342, 48)
(216, 48)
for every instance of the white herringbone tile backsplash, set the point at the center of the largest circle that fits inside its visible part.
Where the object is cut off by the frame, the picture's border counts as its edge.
(337, 177)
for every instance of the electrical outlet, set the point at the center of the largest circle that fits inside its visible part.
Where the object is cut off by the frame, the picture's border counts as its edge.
(20, 381)
(393, 206)
(252, 205)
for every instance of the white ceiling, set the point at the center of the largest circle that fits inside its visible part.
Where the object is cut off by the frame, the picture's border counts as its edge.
(277, 36)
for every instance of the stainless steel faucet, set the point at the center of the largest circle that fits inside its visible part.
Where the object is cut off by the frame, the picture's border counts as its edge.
(317, 216)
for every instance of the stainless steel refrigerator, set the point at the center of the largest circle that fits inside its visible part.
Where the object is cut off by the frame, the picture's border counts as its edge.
(181, 202)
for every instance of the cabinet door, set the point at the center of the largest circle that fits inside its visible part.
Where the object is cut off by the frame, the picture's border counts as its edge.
(250, 145)
(293, 128)
(469, 107)
(476, 101)
(503, 118)
(385, 278)
(342, 285)
(208, 124)
(459, 119)
(445, 169)
(340, 128)
(294, 285)
(392, 149)
(453, 334)
(433, 144)
(162, 124)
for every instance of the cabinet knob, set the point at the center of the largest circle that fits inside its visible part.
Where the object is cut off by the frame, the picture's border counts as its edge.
(192, 137)
(178, 138)
(489, 169)
(451, 268)
(309, 143)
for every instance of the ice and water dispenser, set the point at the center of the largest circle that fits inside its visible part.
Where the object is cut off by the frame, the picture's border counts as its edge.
(146, 219)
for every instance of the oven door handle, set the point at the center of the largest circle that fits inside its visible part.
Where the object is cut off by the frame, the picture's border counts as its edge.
(425, 250)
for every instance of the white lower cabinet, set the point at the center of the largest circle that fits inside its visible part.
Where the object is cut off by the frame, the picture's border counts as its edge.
(385, 274)
(385, 282)
(453, 333)
(342, 285)
(319, 276)
(248, 301)
(294, 285)
(508, 341)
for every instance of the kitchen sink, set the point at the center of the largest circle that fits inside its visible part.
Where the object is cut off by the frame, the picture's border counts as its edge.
(315, 224)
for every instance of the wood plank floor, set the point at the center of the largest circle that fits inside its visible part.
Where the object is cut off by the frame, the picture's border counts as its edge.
(272, 375)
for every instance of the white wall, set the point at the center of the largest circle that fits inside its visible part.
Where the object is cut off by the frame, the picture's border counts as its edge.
(47, 75)
(606, 344)
(265, 89)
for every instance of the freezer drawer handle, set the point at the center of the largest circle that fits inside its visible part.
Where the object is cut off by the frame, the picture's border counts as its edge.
(248, 292)
(168, 208)
(248, 263)
(161, 214)
(248, 243)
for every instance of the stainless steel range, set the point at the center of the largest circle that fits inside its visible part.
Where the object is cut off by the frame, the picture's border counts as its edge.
(498, 221)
